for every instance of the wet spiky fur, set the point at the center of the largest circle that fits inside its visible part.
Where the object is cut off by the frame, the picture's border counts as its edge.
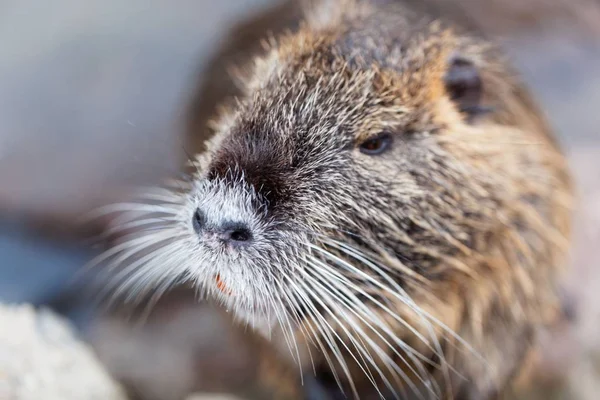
(423, 272)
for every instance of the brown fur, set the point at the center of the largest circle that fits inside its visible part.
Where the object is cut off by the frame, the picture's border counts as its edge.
(486, 204)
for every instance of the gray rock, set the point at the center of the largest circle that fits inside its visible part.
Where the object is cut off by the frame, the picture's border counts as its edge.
(42, 358)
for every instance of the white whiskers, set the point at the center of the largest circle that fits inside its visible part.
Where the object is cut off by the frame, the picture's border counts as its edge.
(320, 289)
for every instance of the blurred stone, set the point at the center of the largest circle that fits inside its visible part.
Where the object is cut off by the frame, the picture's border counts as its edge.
(41, 358)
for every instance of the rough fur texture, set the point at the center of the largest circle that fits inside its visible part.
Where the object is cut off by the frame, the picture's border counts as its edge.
(421, 272)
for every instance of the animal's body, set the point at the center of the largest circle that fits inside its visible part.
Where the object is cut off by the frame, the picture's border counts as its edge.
(384, 198)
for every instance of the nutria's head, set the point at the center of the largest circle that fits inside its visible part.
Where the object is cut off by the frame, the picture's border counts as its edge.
(386, 182)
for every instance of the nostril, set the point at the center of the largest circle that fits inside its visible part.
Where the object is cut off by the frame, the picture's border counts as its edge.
(240, 235)
(234, 233)
(198, 221)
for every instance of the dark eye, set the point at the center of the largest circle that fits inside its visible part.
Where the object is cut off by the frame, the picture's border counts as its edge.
(376, 145)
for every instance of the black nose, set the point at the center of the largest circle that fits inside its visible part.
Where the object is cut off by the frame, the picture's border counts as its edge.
(235, 233)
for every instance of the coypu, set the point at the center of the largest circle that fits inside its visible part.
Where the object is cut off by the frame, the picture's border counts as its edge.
(385, 199)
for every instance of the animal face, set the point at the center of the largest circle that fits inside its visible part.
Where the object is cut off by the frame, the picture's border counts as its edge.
(359, 196)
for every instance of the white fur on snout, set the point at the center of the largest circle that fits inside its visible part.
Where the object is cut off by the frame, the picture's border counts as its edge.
(244, 271)
(251, 280)
(222, 204)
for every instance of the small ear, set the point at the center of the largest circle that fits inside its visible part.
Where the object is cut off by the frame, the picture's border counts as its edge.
(465, 87)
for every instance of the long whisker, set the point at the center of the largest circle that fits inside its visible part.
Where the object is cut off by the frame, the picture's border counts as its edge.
(425, 317)
(322, 323)
(438, 349)
(350, 251)
(363, 336)
(354, 305)
(322, 299)
(353, 269)
(288, 335)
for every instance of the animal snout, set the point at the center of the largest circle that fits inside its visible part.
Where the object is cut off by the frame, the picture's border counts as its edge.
(235, 233)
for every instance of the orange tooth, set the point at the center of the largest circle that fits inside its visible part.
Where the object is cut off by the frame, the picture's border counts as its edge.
(221, 285)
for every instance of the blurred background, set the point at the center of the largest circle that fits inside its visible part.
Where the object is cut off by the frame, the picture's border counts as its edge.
(102, 95)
